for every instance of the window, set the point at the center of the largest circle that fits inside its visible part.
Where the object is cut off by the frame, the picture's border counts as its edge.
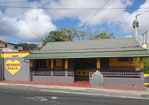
(123, 59)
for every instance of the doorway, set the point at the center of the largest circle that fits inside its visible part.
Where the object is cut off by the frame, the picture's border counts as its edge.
(104, 63)
(82, 67)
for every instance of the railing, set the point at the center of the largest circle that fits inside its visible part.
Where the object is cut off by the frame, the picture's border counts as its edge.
(58, 73)
(53, 73)
(70, 73)
(120, 74)
(42, 73)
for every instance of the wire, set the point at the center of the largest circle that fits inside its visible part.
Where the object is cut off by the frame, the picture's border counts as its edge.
(142, 13)
(95, 13)
(12, 1)
(23, 1)
(25, 7)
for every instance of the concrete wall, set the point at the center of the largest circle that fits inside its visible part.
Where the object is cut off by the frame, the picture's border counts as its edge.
(10, 46)
(124, 81)
(69, 79)
(14, 67)
(0, 67)
(23, 74)
(2, 45)
(20, 48)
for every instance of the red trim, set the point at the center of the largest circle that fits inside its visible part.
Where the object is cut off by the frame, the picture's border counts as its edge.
(17, 52)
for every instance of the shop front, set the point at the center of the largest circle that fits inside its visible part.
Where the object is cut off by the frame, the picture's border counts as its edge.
(120, 71)
(120, 64)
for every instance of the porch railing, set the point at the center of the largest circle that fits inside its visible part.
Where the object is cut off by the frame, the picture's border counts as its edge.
(70, 73)
(58, 73)
(42, 73)
(53, 73)
(120, 74)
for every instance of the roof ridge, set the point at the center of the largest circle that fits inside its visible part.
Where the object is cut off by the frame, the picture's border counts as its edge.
(89, 40)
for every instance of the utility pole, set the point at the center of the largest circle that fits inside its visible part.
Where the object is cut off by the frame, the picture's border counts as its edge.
(135, 26)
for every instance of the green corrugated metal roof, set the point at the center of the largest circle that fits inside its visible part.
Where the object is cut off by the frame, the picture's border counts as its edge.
(88, 54)
(92, 45)
(92, 48)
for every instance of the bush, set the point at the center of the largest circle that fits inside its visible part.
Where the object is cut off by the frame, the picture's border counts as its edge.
(146, 65)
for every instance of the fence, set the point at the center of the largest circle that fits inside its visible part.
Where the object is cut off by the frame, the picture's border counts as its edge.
(53, 73)
(120, 74)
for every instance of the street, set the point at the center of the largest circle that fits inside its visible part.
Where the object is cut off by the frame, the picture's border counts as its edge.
(18, 96)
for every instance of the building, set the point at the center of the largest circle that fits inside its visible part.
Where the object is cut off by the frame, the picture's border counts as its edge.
(10, 46)
(12, 51)
(13, 67)
(119, 60)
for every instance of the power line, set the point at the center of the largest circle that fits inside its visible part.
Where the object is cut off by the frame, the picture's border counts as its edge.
(12, 1)
(142, 13)
(95, 13)
(22, 1)
(52, 8)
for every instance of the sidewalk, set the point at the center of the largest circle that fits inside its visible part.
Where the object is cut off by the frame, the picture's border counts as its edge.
(79, 87)
(84, 84)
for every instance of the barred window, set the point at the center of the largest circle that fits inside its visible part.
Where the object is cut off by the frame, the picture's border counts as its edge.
(123, 59)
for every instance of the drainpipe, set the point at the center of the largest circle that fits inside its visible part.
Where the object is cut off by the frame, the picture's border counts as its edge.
(135, 26)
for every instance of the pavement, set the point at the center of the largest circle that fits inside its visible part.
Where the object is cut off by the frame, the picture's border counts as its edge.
(31, 96)
(82, 88)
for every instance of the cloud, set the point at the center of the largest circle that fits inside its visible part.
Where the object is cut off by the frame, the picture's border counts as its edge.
(21, 23)
(111, 17)
(128, 36)
(35, 21)
(104, 16)
(126, 25)
(32, 21)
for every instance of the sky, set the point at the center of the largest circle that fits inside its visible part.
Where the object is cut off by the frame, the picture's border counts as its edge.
(26, 20)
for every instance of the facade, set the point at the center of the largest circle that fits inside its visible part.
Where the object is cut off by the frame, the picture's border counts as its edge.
(119, 60)
(10, 46)
(13, 67)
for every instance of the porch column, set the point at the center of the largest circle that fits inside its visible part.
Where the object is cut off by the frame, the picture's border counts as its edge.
(66, 67)
(31, 69)
(142, 67)
(51, 67)
(98, 63)
(38, 63)
(48, 64)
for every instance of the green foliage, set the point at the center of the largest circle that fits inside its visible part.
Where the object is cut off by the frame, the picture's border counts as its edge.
(101, 35)
(146, 65)
(27, 47)
(70, 34)
(64, 34)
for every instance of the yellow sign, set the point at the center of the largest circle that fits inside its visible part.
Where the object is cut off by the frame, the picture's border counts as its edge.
(13, 66)
(14, 55)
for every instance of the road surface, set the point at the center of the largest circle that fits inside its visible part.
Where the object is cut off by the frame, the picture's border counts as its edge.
(17, 96)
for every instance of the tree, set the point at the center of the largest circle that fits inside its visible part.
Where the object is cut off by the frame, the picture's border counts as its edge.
(100, 35)
(146, 65)
(70, 34)
(30, 46)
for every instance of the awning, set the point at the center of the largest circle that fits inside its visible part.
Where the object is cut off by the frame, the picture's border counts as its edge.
(143, 53)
